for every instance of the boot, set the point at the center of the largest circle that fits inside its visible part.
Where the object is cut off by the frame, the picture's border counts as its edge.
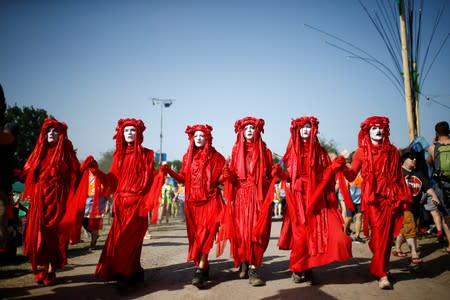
(40, 276)
(254, 279)
(308, 277)
(51, 279)
(243, 271)
(298, 277)
(200, 276)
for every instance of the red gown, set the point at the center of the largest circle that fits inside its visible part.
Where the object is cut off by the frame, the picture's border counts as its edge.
(382, 192)
(319, 238)
(249, 194)
(51, 174)
(122, 251)
(203, 200)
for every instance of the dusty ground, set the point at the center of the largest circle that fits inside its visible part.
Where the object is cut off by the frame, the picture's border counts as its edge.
(168, 276)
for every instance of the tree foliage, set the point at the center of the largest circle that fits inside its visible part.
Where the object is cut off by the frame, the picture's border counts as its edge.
(29, 120)
(105, 161)
(330, 146)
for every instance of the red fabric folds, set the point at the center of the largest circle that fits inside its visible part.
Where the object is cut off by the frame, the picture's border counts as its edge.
(51, 174)
(250, 166)
(133, 174)
(201, 170)
(312, 227)
(101, 183)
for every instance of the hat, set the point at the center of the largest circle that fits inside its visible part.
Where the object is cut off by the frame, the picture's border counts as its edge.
(17, 187)
(407, 153)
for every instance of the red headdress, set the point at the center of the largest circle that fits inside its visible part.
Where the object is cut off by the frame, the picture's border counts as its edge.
(364, 137)
(258, 161)
(122, 146)
(62, 153)
(205, 152)
(297, 147)
(390, 172)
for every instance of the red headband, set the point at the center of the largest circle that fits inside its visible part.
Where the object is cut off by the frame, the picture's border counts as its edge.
(257, 123)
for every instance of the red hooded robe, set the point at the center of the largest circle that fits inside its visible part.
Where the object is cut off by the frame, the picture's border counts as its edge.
(315, 237)
(382, 192)
(201, 170)
(251, 163)
(132, 174)
(51, 174)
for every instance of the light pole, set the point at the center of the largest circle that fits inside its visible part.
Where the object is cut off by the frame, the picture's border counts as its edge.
(163, 103)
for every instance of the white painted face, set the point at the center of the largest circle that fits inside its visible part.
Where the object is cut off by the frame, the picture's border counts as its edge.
(249, 132)
(52, 135)
(199, 139)
(129, 133)
(376, 134)
(305, 131)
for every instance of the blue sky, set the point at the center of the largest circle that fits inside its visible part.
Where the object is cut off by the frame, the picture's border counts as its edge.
(90, 63)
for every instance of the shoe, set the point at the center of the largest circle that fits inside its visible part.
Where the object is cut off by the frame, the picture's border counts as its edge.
(416, 261)
(200, 276)
(384, 284)
(254, 279)
(359, 240)
(40, 276)
(298, 277)
(398, 253)
(51, 279)
(440, 236)
(136, 277)
(308, 277)
(243, 271)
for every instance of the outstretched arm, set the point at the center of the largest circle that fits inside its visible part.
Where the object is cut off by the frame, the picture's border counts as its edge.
(166, 169)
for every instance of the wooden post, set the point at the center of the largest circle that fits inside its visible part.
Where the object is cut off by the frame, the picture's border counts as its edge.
(416, 89)
(407, 75)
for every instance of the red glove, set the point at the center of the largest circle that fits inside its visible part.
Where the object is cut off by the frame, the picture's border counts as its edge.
(227, 175)
(276, 169)
(338, 163)
(165, 169)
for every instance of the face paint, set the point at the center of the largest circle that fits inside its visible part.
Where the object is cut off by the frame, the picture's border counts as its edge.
(249, 132)
(199, 139)
(305, 131)
(376, 133)
(129, 133)
(52, 135)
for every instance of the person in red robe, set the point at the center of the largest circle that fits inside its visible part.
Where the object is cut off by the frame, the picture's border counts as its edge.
(90, 198)
(50, 174)
(313, 226)
(131, 177)
(201, 172)
(249, 176)
(383, 192)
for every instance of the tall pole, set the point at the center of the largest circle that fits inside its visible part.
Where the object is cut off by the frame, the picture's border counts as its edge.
(407, 75)
(163, 103)
(161, 136)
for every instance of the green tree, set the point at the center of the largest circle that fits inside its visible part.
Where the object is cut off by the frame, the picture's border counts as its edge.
(175, 165)
(330, 145)
(29, 120)
(105, 161)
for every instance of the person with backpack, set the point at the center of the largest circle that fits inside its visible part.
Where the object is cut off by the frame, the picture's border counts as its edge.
(439, 159)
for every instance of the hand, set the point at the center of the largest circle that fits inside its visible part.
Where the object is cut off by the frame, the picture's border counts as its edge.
(436, 201)
(227, 173)
(338, 163)
(276, 169)
(165, 169)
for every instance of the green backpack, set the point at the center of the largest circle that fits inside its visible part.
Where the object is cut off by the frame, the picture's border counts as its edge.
(442, 159)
